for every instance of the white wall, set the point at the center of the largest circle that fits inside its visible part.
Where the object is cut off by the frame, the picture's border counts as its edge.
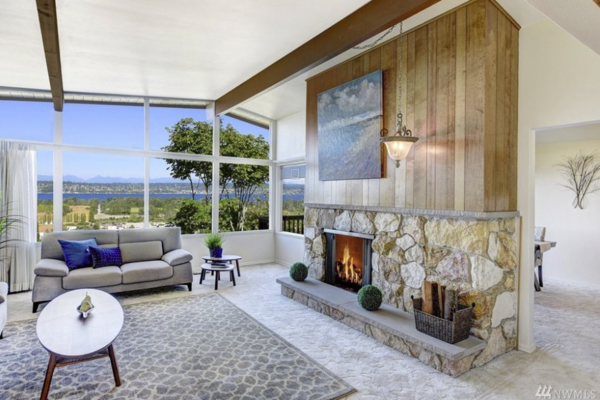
(289, 248)
(559, 84)
(291, 136)
(577, 231)
(254, 247)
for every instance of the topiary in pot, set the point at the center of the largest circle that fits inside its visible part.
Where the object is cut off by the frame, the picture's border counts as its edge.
(370, 297)
(298, 272)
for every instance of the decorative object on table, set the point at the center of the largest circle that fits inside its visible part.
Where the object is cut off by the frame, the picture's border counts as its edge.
(349, 124)
(370, 297)
(582, 177)
(214, 243)
(399, 144)
(86, 306)
(76, 252)
(450, 331)
(106, 256)
(298, 271)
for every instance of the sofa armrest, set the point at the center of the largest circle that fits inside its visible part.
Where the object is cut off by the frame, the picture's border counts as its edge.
(3, 291)
(51, 267)
(177, 257)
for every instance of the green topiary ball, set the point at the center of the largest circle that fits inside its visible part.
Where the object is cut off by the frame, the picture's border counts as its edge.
(370, 297)
(298, 271)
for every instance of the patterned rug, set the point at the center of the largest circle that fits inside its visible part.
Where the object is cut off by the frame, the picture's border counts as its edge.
(200, 347)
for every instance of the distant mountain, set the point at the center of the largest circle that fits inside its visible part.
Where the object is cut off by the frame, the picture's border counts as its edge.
(108, 179)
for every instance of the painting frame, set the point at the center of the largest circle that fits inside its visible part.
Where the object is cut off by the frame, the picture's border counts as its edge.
(349, 122)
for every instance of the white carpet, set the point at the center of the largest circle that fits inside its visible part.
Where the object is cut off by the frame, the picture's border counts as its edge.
(567, 336)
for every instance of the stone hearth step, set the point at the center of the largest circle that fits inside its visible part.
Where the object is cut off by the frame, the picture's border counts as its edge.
(388, 325)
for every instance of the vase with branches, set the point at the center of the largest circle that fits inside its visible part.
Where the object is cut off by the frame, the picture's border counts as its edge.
(582, 177)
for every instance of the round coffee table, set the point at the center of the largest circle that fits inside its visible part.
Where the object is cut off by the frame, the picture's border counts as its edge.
(225, 258)
(70, 339)
(217, 269)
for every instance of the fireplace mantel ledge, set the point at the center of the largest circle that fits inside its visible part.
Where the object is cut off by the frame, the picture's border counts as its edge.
(347, 233)
(454, 214)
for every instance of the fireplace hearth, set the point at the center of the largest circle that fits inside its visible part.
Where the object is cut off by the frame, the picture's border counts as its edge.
(348, 259)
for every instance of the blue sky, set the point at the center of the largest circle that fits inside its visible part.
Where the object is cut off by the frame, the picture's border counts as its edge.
(100, 125)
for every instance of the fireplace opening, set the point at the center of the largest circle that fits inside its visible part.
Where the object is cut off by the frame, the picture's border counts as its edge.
(348, 259)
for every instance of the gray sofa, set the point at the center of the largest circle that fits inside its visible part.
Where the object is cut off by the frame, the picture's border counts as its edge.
(151, 258)
(3, 306)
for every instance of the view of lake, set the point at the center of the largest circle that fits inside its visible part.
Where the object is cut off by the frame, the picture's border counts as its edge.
(104, 196)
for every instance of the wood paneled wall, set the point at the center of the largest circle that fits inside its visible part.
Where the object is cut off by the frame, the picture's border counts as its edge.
(460, 80)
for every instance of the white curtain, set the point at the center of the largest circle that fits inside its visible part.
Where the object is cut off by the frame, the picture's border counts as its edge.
(18, 186)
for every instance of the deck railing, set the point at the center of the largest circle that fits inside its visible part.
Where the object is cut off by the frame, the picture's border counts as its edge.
(291, 223)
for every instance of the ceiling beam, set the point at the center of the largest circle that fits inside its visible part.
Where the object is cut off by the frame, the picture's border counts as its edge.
(597, 2)
(49, 26)
(366, 22)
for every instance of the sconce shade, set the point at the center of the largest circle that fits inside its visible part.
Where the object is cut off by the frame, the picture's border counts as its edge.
(398, 147)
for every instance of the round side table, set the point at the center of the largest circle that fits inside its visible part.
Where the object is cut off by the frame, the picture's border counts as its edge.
(217, 269)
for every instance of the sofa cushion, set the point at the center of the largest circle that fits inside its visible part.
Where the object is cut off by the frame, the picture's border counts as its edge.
(141, 251)
(106, 257)
(146, 271)
(51, 267)
(76, 252)
(169, 236)
(92, 278)
(177, 257)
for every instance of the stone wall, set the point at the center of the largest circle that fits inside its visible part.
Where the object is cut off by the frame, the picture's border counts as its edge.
(476, 257)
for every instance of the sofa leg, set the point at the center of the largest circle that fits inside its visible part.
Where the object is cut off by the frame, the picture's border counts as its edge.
(189, 285)
(1, 335)
(35, 306)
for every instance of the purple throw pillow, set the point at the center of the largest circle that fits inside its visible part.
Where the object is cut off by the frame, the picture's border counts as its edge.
(106, 256)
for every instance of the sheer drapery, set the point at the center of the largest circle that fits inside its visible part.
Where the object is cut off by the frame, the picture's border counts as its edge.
(18, 185)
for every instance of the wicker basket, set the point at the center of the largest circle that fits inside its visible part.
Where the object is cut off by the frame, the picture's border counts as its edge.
(449, 331)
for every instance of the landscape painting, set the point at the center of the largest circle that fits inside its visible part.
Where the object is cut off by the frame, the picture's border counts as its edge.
(349, 125)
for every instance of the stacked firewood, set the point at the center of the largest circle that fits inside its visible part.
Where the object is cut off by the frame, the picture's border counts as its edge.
(437, 301)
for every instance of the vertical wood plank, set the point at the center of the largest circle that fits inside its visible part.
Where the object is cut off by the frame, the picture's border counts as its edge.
(491, 69)
(460, 116)
(431, 130)
(410, 117)
(440, 116)
(450, 146)
(388, 61)
(514, 83)
(420, 163)
(475, 103)
(501, 150)
(401, 178)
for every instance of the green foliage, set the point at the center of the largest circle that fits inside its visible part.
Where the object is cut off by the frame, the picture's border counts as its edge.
(193, 217)
(214, 241)
(298, 271)
(370, 297)
(8, 223)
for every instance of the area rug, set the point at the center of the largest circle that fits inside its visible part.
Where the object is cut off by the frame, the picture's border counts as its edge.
(200, 347)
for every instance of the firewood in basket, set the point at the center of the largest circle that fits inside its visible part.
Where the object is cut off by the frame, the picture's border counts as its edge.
(427, 297)
(435, 299)
(441, 296)
(450, 304)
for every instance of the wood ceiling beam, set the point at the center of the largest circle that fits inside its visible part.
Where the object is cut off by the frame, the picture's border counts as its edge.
(366, 22)
(597, 2)
(49, 26)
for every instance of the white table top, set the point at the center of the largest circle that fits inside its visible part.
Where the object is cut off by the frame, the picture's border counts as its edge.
(62, 331)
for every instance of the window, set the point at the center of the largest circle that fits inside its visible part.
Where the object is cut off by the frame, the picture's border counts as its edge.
(181, 194)
(45, 204)
(292, 178)
(112, 200)
(27, 120)
(167, 123)
(104, 125)
(242, 139)
(244, 197)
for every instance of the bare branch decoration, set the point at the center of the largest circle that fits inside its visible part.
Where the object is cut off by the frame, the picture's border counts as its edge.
(582, 177)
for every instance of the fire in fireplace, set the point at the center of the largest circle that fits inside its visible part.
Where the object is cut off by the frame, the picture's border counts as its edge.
(348, 259)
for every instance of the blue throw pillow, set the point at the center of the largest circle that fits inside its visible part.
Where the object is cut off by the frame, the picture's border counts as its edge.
(106, 256)
(76, 252)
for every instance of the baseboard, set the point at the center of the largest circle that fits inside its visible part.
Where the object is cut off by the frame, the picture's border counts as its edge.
(284, 263)
(257, 262)
(551, 279)
(527, 348)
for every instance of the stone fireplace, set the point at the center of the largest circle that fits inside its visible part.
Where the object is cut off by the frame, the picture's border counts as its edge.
(348, 258)
(474, 253)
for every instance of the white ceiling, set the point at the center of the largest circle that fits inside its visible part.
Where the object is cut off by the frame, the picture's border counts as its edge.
(581, 18)
(290, 98)
(197, 49)
(580, 133)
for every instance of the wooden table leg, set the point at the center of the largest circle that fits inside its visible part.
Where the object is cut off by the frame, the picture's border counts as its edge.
(48, 380)
(237, 264)
(217, 277)
(113, 363)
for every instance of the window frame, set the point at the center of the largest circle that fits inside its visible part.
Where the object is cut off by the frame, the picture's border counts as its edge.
(58, 148)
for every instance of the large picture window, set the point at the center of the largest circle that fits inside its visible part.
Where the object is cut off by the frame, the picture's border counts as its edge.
(243, 139)
(167, 123)
(45, 185)
(27, 120)
(292, 179)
